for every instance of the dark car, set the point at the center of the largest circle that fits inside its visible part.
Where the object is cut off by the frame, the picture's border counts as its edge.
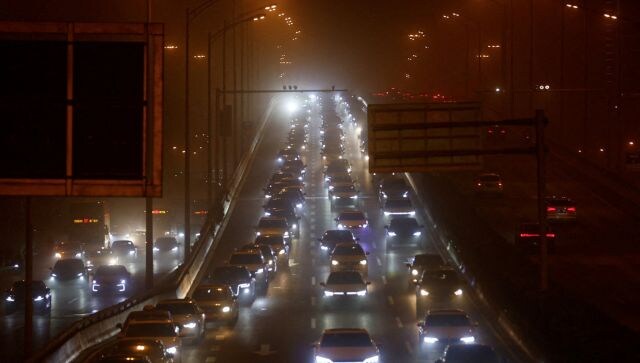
(275, 187)
(290, 215)
(403, 229)
(393, 187)
(69, 269)
(275, 177)
(114, 278)
(277, 203)
(130, 347)
(295, 167)
(560, 209)
(528, 238)
(267, 252)
(125, 358)
(237, 277)
(166, 245)
(287, 154)
(332, 237)
(422, 262)
(294, 195)
(444, 283)
(277, 243)
(124, 248)
(466, 353)
(39, 291)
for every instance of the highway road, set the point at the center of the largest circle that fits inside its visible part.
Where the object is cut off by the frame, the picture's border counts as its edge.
(282, 325)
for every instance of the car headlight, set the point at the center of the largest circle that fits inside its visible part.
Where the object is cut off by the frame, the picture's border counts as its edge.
(468, 340)
(267, 196)
(334, 197)
(78, 255)
(270, 262)
(257, 233)
(320, 359)
(405, 194)
(418, 233)
(328, 293)
(175, 249)
(53, 275)
(282, 252)
(299, 205)
(363, 262)
(286, 234)
(113, 261)
(156, 249)
(280, 160)
(89, 263)
(334, 262)
(430, 340)
(267, 214)
(340, 225)
(123, 281)
(412, 213)
(10, 298)
(38, 298)
(244, 286)
(58, 255)
(374, 359)
(80, 274)
(386, 213)
(424, 292)
(259, 271)
(190, 325)
(294, 226)
(458, 292)
(172, 350)
(414, 272)
(391, 234)
(354, 197)
(331, 187)
(226, 309)
(362, 292)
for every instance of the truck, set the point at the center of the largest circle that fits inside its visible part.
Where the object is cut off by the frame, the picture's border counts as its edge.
(88, 224)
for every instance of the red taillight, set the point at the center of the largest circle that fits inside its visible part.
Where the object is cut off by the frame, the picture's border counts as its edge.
(551, 209)
(479, 184)
(551, 235)
(571, 209)
(528, 235)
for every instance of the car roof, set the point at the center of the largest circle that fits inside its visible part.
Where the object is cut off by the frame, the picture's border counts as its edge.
(446, 312)
(345, 331)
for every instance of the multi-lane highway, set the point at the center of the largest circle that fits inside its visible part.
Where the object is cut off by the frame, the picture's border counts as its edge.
(282, 325)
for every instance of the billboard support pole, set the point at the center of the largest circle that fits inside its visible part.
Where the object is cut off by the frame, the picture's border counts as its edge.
(28, 277)
(541, 191)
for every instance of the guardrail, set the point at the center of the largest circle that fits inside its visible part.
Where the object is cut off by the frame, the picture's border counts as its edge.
(100, 326)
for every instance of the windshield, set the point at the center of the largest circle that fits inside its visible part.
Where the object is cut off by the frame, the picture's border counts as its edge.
(121, 243)
(424, 260)
(342, 178)
(279, 203)
(212, 293)
(401, 223)
(166, 241)
(395, 183)
(38, 287)
(338, 235)
(398, 203)
(270, 240)
(348, 249)
(246, 259)
(115, 270)
(272, 223)
(346, 277)
(151, 330)
(178, 308)
(223, 275)
(346, 340)
(490, 178)
(344, 188)
(441, 277)
(69, 264)
(447, 320)
(350, 216)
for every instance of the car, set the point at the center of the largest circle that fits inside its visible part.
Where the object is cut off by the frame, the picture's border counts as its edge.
(345, 283)
(125, 358)
(159, 328)
(280, 176)
(273, 188)
(273, 226)
(148, 313)
(403, 229)
(124, 248)
(151, 348)
(187, 314)
(352, 220)
(293, 194)
(217, 302)
(253, 261)
(496, 131)
(277, 203)
(334, 170)
(41, 294)
(68, 250)
(238, 278)
(295, 167)
(332, 237)
(346, 345)
(446, 326)
(267, 254)
(393, 187)
(340, 164)
(488, 183)
(287, 154)
(422, 262)
(340, 179)
(68, 269)
(560, 209)
(527, 238)
(166, 245)
(474, 352)
(343, 192)
(290, 215)
(277, 243)
(99, 257)
(113, 278)
(398, 207)
(330, 155)
(349, 257)
(444, 283)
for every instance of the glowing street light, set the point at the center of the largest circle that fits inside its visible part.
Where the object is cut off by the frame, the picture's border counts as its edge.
(571, 6)
(609, 16)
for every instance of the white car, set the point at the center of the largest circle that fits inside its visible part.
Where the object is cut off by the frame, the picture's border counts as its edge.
(345, 283)
(349, 257)
(346, 345)
(446, 326)
(272, 226)
(395, 207)
(352, 220)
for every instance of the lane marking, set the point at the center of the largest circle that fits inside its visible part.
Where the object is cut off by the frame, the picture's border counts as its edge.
(384, 280)
(399, 323)
(313, 281)
(390, 300)
(72, 300)
(379, 261)
(313, 323)
(313, 301)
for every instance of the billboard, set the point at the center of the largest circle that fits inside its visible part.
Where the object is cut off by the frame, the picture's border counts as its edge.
(81, 105)
(424, 137)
